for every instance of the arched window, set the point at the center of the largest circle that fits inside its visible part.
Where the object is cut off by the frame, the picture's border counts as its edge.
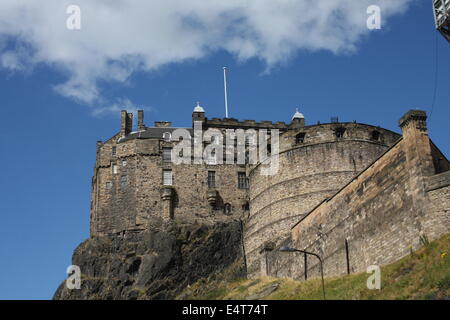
(167, 136)
(227, 209)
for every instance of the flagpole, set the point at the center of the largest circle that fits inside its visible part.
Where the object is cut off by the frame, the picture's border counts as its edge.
(225, 89)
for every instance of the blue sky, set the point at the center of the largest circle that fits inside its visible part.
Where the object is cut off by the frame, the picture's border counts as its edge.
(48, 137)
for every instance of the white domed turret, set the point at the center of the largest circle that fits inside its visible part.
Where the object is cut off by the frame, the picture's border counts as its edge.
(297, 115)
(199, 108)
(198, 115)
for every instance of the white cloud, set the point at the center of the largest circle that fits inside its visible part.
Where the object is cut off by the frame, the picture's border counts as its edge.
(119, 37)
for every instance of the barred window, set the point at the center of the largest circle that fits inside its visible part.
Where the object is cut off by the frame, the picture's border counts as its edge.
(167, 177)
(242, 180)
(211, 179)
(167, 155)
(114, 151)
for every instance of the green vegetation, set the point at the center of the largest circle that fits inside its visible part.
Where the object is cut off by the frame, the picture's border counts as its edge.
(424, 274)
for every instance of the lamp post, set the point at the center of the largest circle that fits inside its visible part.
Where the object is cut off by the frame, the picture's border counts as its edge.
(288, 249)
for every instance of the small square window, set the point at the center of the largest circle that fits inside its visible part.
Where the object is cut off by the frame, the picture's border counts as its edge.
(124, 163)
(300, 138)
(339, 132)
(108, 185)
(376, 135)
(242, 180)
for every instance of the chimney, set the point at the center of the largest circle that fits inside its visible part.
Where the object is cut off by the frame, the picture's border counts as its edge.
(126, 122)
(141, 125)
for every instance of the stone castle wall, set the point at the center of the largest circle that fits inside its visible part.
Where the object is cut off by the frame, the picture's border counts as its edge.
(357, 190)
(378, 217)
(309, 172)
(127, 199)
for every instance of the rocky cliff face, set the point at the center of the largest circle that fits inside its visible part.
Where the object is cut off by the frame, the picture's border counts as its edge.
(158, 263)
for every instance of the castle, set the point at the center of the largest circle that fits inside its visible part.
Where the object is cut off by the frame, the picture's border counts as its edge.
(353, 193)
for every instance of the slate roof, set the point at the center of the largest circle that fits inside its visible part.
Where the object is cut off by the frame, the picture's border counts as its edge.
(152, 133)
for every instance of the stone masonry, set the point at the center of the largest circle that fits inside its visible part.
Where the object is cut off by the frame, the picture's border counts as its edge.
(354, 193)
(390, 208)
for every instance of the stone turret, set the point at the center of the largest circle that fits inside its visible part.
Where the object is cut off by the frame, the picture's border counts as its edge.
(198, 114)
(298, 120)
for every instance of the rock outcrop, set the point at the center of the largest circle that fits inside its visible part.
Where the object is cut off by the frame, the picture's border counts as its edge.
(158, 263)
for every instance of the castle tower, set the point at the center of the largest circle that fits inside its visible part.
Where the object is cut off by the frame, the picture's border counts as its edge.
(298, 120)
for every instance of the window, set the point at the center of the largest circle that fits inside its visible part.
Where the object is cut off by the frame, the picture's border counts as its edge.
(167, 136)
(227, 209)
(167, 177)
(124, 163)
(242, 180)
(115, 169)
(339, 132)
(167, 155)
(114, 151)
(123, 181)
(375, 135)
(300, 138)
(250, 140)
(211, 179)
(246, 206)
(108, 185)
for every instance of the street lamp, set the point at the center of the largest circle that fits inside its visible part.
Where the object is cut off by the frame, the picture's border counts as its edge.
(289, 249)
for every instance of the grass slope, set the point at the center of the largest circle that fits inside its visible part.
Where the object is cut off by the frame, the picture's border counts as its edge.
(424, 274)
